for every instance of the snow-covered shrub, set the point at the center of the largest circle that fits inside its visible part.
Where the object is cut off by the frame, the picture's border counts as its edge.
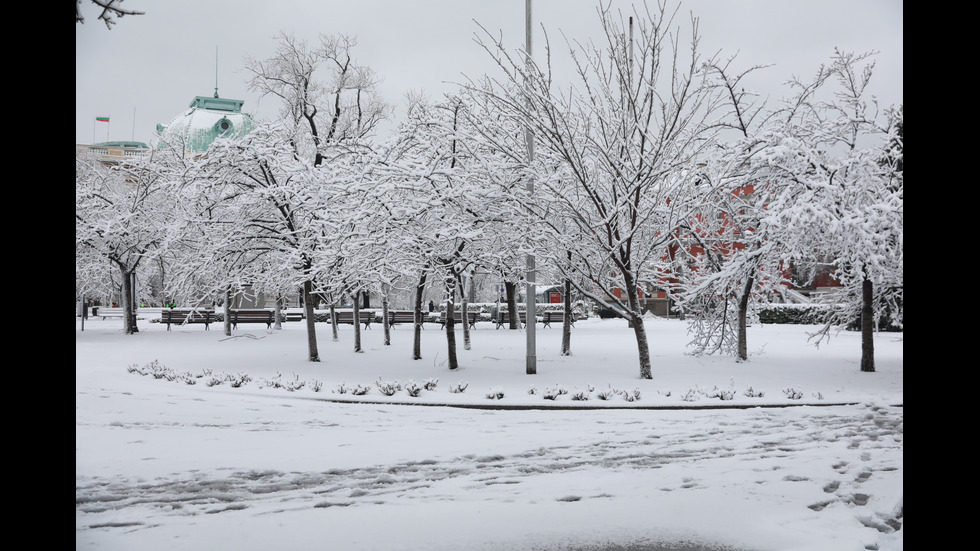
(238, 380)
(212, 380)
(692, 395)
(430, 384)
(607, 394)
(495, 394)
(793, 393)
(316, 385)
(360, 390)
(458, 387)
(631, 396)
(342, 388)
(721, 394)
(158, 370)
(275, 382)
(580, 395)
(388, 388)
(551, 393)
(532, 390)
(295, 384)
(752, 393)
(414, 389)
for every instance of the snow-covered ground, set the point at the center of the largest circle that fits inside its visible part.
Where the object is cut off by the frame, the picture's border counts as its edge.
(162, 464)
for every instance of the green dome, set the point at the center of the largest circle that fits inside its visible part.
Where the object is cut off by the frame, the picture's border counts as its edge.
(206, 120)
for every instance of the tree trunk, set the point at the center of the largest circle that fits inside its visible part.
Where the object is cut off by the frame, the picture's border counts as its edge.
(227, 311)
(333, 322)
(357, 322)
(129, 308)
(515, 318)
(867, 327)
(419, 289)
(450, 323)
(384, 317)
(566, 326)
(636, 322)
(465, 317)
(278, 312)
(310, 321)
(743, 308)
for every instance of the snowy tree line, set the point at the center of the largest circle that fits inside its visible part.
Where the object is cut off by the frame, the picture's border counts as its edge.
(653, 168)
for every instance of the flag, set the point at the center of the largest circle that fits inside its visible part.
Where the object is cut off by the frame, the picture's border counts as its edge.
(102, 119)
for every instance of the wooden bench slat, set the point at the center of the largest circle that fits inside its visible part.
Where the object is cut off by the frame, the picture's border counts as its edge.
(402, 316)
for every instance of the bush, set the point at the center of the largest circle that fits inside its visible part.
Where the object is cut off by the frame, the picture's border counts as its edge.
(795, 314)
(495, 394)
(413, 389)
(388, 388)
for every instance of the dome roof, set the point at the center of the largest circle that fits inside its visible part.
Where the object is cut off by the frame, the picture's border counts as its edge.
(205, 120)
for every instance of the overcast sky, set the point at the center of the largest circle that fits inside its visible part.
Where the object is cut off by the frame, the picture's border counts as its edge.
(148, 68)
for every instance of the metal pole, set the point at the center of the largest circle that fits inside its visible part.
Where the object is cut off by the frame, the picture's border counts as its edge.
(532, 359)
(132, 301)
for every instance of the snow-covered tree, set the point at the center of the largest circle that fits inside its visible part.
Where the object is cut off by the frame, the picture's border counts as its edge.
(614, 150)
(266, 203)
(328, 99)
(841, 197)
(445, 203)
(725, 259)
(120, 219)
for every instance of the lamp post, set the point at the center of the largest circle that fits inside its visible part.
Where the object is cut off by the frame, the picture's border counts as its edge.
(532, 359)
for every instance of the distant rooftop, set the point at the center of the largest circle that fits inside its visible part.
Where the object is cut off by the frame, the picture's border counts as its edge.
(131, 145)
(217, 104)
(206, 119)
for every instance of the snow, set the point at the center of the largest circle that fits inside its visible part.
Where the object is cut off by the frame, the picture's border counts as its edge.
(166, 465)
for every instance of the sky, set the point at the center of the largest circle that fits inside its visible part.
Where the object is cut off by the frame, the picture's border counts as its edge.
(148, 68)
(163, 465)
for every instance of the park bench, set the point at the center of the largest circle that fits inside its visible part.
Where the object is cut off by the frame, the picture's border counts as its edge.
(291, 315)
(251, 316)
(108, 312)
(503, 318)
(180, 317)
(401, 316)
(347, 317)
(472, 317)
(116, 312)
(557, 316)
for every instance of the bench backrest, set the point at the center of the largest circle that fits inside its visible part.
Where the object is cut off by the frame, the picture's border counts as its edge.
(402, 315)
(458, 316)
(178, 316)
(252, 314)
(504, 317)
(347, 316)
